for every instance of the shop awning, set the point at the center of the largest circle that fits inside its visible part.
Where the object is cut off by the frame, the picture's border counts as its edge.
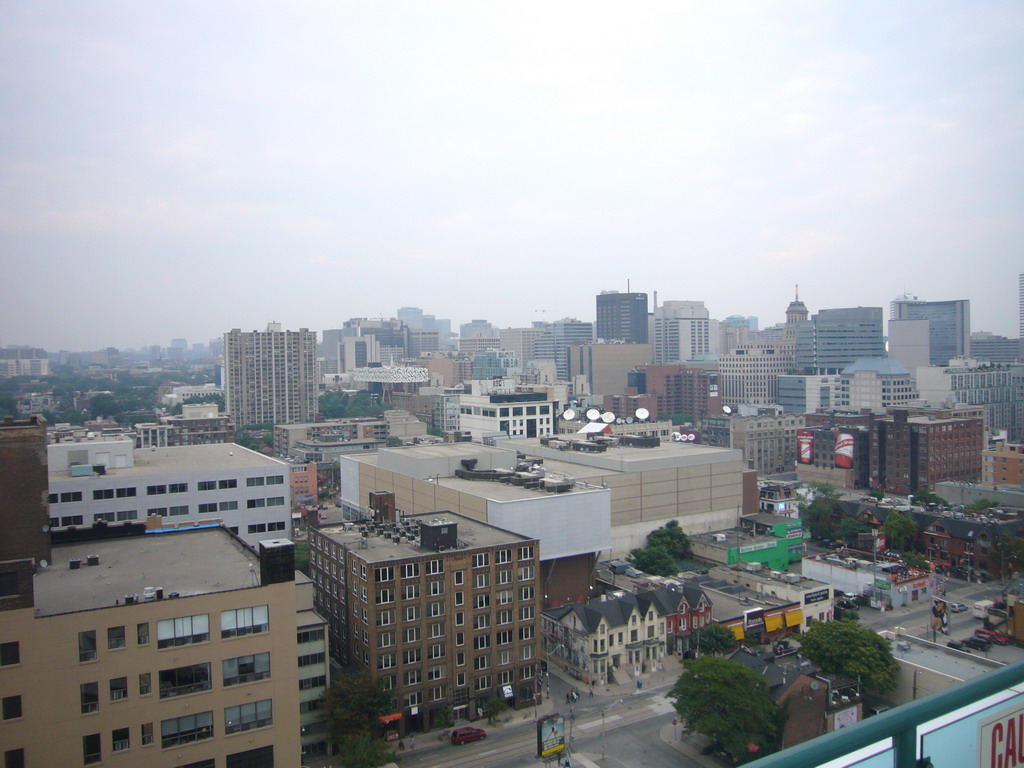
(773, 622)
(390, 718)
(793, 618)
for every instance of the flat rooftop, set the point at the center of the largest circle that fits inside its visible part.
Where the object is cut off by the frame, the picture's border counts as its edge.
(729, 601)
(731, 538)
(189, 458)
(936, 656)
(471, 533)
(192, 562)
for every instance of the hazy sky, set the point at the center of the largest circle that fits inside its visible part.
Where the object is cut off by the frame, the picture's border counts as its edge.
(178, 169)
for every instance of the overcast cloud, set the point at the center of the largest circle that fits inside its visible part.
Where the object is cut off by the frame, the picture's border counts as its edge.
(178, 169)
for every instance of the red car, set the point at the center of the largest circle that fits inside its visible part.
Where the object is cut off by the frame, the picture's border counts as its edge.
(992, 636)
(467, 733)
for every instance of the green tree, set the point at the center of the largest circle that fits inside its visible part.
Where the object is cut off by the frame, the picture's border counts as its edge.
(494, 708)
(715, 639)
(817, 513)
(653, 560)
(355, 702)
(730, 704)
(899, 530)
(875, 494)
(393, 442)
(916, 560)
(671, 538)
(847, 648)
(1010, 548)
(848, 529)
(363, 751)
(980, 505)
(103, 405)
(8, 406)
(302, 557)
(435, 432)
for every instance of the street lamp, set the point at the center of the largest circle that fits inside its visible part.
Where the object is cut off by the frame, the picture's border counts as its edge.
(603, 711)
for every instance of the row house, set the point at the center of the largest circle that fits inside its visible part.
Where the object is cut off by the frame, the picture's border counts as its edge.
(631, 631)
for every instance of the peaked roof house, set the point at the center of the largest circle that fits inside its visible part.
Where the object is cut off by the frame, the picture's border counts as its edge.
(626, 632)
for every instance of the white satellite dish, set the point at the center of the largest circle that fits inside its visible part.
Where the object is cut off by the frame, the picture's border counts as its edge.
(620, 421)
(677, 436)
(607, 417)
(593, 414)
(643, 414)
(568, 414)
(726, 409)
(629, 419)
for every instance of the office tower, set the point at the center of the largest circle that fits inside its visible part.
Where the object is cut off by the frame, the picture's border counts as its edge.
(749, 374)
(477, 328)
(555, 342)
(24, 361)
(683, 331)
(606, 367)
(411, 316)
(949, 325)
(270, 376)
(622, 317)
(992, 348)
(521, 340)
(835, 338)
(391, 335)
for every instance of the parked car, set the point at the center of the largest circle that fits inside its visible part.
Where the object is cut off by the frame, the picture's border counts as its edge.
(978, 643)
(957, 607)
(468, 733)
(845, 604)
(957, 645)
(992, 636)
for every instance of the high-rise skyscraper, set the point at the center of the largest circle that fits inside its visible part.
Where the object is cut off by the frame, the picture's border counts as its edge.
(949, 325)
(270, 376)
(683, 331)
(835, 338)
(1020, 301)
(622, 317)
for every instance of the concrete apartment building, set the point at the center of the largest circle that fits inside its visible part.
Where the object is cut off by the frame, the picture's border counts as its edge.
(999, 389)
(1003, 464)
(106, 483)
(873, 384)
(749, 374)
(443, 608)
(682, 331)
(200, 424)
(805, 393)
(23, 361)
(270, 376)
(189, 672)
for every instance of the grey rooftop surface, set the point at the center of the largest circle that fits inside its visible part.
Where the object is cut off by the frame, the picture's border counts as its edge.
(191, 562)
(472, 533)
(189, 458)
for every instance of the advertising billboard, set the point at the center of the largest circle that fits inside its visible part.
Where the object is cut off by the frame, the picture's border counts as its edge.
(805, 446)
(844, 450)
(550, 735)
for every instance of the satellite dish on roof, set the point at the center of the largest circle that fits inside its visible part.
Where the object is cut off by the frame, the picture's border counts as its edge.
(726, 409)
(620, 421)
(569, 414)
(629, 419)
(677, 436)
(642, 414)
(593, 414)
(607, 417)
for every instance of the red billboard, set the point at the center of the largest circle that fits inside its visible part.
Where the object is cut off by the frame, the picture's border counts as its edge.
(844, 450)
(805, 446)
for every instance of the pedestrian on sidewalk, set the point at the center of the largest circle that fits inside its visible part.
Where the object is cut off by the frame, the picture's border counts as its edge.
(591, 690)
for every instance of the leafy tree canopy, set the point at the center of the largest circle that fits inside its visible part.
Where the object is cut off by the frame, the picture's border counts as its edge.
(715, 639)
(899, 530)
(653, 560)
(847, 648)
(1010, 547)
(848, 529)
(671, 538)
(980, 505)
(728, 703)
(354, 704)
(817, 513)
(925, 496)
(363, 751)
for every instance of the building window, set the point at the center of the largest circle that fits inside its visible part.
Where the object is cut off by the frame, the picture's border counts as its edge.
(410, 570)
(125, 493)
(89, 696)
(526, 593)
(435, 588)
(115, 637)
(156, 490)
(87, 645)
(412, 656)
(91, 749)
(10, 706)
(386, 661)
(275, 480)
(504, 617)
(412, 635)
(385, 596)
(413, 677)
(244, 621)
(411, 592)
(481, 581)
(183, 631)
(182, 730)
(255, 503)
(458, 578)
(412, 613)
(14, 758)
(245, 669)
(482, 601)
(310, 659)
(481, 559)
(142, 633)
(254, 481)
(383, 573)
(205, 509)
(526, 613)
(227, 506)
(177, 488)
(184, 680)
(146, 733)
(526, 573)
(505, 577)
(308, 683)
(223, 484)
(121, 739)
(435, 567)
(145, 686)
(503, 556)
(118, 688)
(207, 485)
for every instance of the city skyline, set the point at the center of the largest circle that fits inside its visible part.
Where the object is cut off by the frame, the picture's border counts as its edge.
(178, 171)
